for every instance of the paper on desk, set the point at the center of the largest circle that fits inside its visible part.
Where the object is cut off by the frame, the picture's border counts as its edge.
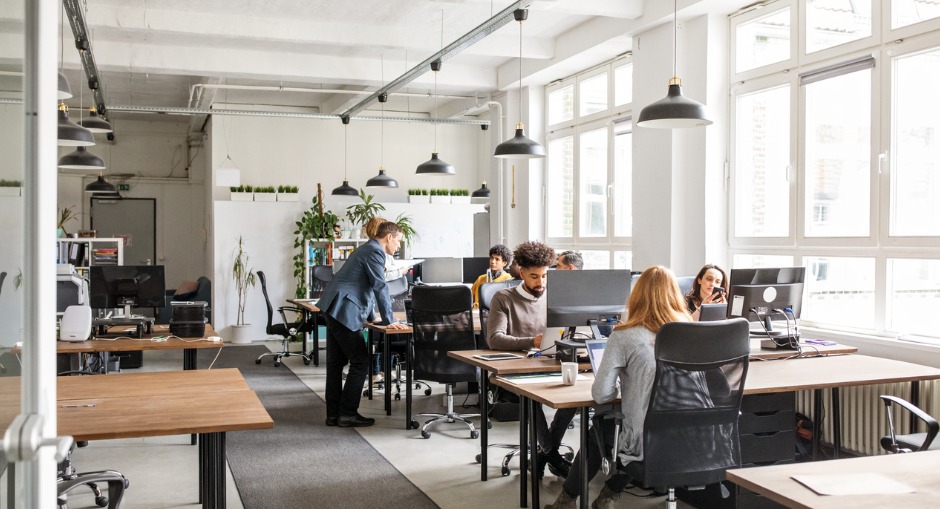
(853, 484)
(537, 378)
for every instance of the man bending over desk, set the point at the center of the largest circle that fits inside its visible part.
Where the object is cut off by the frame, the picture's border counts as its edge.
(516, 321)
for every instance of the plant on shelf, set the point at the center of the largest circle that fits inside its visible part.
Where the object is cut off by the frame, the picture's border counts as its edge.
(418, 196)
(10, 187)
(315, 223)
(360, 213)
(244, 279)
(66, 214)
(407, 229)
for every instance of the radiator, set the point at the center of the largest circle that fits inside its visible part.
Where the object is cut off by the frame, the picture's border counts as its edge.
(864, 419)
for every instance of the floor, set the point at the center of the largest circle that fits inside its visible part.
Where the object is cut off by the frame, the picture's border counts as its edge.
(443, 466)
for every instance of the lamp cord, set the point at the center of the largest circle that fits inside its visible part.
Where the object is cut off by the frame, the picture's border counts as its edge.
(382, 123)
(345, 140)
(675, 38)
(520, 71)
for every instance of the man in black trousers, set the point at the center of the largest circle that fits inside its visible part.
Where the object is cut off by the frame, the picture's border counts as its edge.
(346, 303)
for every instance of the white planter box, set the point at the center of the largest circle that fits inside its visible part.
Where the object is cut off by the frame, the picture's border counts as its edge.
(10, 191)
(242, 196)
(440, 199)
(288, 196)
(460, 199)
(419, 199)
(265, 196)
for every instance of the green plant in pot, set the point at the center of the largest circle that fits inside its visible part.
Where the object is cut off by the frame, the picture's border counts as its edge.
(315, 223)
(360, 213)
(244, 278)
(66, 215)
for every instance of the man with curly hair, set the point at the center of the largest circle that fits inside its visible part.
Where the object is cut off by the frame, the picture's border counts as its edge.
(500, 256)
(516, 321)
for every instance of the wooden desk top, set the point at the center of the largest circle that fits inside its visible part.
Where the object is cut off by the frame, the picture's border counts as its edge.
(307, 304)
(826, 372)
(126, 345)
(554, 394)
(143, 384)
(918, 470)
(808, 350)
(511, 366)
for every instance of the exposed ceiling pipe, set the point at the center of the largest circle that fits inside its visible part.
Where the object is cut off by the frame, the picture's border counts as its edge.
(463, 42)
(267, 88)
(76, 16)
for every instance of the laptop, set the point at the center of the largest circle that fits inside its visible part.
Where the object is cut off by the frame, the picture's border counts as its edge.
(713, 312)
(549, 336)
(595, 349)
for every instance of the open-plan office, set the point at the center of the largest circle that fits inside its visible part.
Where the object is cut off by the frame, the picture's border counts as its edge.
(255, 125)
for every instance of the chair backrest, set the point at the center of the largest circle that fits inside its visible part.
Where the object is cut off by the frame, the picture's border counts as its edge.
(690, 435)
(487, 291)
(320, 275)
(442, 321)
(264, 290)
(685, 283)
(398, 292)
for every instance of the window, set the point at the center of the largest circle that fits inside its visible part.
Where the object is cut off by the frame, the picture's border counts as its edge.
(561, 105)
(910, 12)
(840, 291)
(833, 22)
(593, 95)
(593, 188)
(763, 41)
(623, 182)
(623, 85)
(560, 210)
(913, 296)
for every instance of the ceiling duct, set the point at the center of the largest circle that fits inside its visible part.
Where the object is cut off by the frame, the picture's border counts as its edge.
(73, 11)
(463, 42)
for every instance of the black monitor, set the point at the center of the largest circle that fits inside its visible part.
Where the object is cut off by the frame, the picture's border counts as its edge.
(441, 270)
(114, 286)
(763, 294)
(575, 297)
(475, 267)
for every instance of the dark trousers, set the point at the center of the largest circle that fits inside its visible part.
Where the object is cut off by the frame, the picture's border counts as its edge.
(617, 482)
(344, 346)
(550, 437)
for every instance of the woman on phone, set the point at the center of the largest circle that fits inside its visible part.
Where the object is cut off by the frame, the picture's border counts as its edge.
(710, 287)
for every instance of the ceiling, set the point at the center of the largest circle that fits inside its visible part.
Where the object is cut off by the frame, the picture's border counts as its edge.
(181, 53)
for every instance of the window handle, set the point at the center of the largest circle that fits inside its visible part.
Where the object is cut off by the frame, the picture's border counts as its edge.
(882, 162)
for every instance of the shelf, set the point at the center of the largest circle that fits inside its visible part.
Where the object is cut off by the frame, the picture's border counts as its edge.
(90, 251)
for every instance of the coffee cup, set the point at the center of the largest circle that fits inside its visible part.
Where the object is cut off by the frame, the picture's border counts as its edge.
(569, 373)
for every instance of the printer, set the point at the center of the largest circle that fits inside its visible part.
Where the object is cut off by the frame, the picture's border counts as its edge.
(71, 288)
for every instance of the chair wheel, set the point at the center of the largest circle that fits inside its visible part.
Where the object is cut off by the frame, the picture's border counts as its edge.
(425, 434)
(414, 424)
(257, 361)
(489, 424)
(474, 434)
(427, 392)
(365, 392)
(306, 361)
(277, 363)
(504, 471)
(479, 458)
(568, 456)
(101, 501)
(398, 397)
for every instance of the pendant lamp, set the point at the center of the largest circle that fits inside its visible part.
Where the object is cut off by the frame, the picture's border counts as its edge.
(436, 165)
(482, 192)
(345, 189)
(72, 134)
(94, 123)
(675, 110)
(65, 91)
(382, 180)
(100, 186)
(81, 159)
(519, 147)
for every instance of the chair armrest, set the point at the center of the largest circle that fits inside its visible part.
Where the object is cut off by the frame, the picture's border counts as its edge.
(932, 426)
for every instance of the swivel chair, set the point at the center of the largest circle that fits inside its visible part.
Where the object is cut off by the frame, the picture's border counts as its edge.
(911, 442)
(398, 291)
(68, 479)
(286, 329)
(442, 322)
(690, 433)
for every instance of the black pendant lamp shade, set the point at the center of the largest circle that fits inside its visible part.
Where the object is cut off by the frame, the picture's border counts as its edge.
(94, 123)
(65, 91)
(674, 111)
(381, 180)
(72, 134)
(435, 166)
(519, 147)
(101, 186)
(482, 192)
(345, 190)
(81, 159)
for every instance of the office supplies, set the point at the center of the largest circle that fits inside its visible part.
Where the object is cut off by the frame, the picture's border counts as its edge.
(569, 373)
(497, 356)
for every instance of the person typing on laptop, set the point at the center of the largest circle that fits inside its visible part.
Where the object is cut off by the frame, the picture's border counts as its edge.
(516, 322)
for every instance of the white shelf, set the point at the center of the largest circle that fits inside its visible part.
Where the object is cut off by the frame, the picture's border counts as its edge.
(85, 252)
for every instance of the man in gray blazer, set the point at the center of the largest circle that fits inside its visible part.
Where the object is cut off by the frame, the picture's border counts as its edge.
(346, 303)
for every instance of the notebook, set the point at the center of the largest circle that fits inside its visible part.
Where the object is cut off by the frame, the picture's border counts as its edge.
(595, 348)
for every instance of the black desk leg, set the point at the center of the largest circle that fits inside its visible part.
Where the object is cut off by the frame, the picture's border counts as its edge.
(370, 346)
(220, 470)
(204, 468)
(189, 362)
(408, 374)
(583, 464)
(533, 453)
(387, 366)
(212, 470)
(315, 346)
(485, 420)
(817, 419)
(836, 424)
(915, 399)
(523, 451)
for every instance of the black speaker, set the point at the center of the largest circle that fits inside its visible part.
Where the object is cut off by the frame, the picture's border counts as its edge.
(188, 319)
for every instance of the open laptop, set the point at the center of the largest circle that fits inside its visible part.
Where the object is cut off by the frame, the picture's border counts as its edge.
(595, 349)
(713, 312)
(549, 336)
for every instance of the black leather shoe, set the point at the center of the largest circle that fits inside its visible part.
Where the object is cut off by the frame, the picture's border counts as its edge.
(354, 421)
(557, 465)
(332, 421)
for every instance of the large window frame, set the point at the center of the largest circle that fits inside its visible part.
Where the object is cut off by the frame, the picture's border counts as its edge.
(885, 46)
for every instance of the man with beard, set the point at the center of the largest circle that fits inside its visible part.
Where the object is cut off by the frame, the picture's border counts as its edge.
(516, 321)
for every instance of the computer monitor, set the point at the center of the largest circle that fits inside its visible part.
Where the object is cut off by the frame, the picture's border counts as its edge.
(114, 286)
(575, 297)
(760, 295)
(475, 267)
(441, 270)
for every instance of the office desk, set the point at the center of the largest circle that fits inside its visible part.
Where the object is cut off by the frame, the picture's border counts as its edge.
(188, 345)
(918, 470)
(311, 311)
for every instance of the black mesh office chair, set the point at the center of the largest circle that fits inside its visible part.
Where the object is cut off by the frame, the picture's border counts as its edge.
(286, 329)
(442, 322)
(690, 434)
(68, 479)
(911, 442)
(398, 291)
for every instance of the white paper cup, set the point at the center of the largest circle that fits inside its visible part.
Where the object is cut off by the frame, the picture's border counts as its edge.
(569, 373)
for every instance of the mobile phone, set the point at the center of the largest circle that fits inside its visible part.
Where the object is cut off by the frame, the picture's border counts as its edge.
(717, 289)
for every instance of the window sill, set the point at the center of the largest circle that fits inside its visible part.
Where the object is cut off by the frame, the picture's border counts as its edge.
(921, 352)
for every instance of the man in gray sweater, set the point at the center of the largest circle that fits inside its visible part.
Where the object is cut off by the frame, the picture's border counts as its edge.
(516, 321)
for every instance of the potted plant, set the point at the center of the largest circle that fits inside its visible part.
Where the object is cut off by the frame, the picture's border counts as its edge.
(440, 196)
(287, 193)
(407, 229)
(241, 193)
(244, 279)
(460, 196)
(66, 214)
(265, 193)
(10, 187)
(315, 224)
(418, 196)
(360, 213)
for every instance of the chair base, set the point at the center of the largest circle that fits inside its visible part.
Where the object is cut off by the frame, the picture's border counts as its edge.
(117, 483)
(449, 417)
(285, 345)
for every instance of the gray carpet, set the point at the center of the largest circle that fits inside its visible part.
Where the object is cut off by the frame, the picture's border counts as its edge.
(302, 462)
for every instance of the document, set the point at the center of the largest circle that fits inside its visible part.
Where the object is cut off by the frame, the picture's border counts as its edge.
(537, 378)
(853, 484)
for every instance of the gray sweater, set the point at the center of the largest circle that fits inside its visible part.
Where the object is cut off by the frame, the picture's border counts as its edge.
(628, 358)
(515, 319)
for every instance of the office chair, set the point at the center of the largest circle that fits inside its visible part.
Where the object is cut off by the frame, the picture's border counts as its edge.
(442, 321)
(285, 329)
(398, 290)
(690, 433)
(685, 283)
(911, 442)
(68, 479)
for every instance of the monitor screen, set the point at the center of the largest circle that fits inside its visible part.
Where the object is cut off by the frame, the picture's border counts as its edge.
(762, 294)
(114, 286)
(577, 296)
(475, 267)
(441, 270)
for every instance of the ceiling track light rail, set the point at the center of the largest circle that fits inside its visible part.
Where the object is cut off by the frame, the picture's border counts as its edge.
(73, 11)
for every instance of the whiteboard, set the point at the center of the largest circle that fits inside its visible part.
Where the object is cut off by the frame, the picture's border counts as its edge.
(444, 230)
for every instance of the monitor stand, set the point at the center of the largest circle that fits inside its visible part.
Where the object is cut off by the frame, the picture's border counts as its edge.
(142, 324)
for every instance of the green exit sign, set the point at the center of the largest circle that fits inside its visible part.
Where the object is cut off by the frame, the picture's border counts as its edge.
(124, 187)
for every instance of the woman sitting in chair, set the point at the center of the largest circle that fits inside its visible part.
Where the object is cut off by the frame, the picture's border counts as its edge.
(628, 357)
